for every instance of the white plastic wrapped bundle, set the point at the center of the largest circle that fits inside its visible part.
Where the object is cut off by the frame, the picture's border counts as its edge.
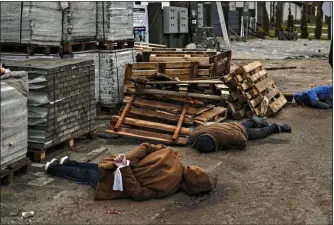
(14, 117)
(31, 23)
(111, 75)
(79, 21)
(114, 20)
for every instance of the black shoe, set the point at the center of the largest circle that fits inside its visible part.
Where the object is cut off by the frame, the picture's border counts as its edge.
(260, 122)
(51, 164)
(283, 127)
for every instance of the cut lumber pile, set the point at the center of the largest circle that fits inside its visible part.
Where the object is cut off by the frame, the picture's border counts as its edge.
(166, 110)
(141, 46)
(257, 89)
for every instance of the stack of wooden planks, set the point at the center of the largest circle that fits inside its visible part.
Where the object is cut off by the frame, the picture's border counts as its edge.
(252, 84)
(141, 46)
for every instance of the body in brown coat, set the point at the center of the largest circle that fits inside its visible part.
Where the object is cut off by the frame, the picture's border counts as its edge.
(155, 171)
(225, 135)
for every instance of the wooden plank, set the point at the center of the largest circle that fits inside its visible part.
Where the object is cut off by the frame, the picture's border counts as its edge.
(203, 72)
(180, 122)
(278, 104)
(257, 100)
(143, 72)
(158, 115)
(211, 114)
(257, 76)
(145, 65)
(122, 117)
(171, 107)
(217, 82)
(178, 71)
(148, 135)
(128, 74)
(251, 66)
(272, 94)
(245, 85)
(166, 59)
(151, 125)
(175, 65)
(176, 93)
(202, 61)
(264, 84)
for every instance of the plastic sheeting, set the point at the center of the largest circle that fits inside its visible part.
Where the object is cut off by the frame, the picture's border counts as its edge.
(14, 117)
(79, 21)
(114, 20)
(109, 73)
(31, 23)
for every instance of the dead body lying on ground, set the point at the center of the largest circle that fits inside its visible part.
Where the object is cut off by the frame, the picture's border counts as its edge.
(151, 171)
(320, 97)
(217, 136)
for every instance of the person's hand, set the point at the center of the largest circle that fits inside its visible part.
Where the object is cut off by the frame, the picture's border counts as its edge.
(120, 160)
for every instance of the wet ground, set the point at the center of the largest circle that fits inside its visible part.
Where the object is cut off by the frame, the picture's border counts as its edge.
(285, 178)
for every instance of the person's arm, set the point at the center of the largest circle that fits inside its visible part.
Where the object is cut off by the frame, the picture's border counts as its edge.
(315, 102)
(142, 151)
(133, 187)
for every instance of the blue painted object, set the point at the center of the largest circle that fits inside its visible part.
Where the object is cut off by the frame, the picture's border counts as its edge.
(318, 97)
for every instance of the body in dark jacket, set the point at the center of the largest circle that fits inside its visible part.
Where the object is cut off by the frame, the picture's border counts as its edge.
(318, 97)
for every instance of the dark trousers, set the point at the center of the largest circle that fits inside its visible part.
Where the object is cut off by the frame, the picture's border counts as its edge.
(87, 173)
(257, 133)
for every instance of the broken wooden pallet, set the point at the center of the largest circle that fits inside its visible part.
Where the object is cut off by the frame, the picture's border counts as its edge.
(153, 120)
(259, 90)
(21, 166)
(216, 115)
(210, 63)
(182, 70)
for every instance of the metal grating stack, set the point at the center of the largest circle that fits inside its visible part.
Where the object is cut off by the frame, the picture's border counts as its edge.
(61, 101)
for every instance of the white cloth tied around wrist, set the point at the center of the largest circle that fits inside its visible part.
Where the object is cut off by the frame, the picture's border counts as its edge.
(118, 182)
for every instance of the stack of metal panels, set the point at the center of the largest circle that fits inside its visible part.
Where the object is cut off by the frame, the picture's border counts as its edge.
(37, 23)
(14, 117)
(114, 21)
(61, 100)
(79, 21)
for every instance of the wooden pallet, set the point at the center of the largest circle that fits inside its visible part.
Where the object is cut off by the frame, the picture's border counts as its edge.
(19, 167)
(153, 120)
(30, 49)
(259, 90)
(184, 70)
(113, 45)
(78, 46)
(210, 63)
(40, 155)
(215, 115)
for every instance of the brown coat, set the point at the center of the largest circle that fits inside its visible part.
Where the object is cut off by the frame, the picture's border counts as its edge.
(225, 135)
(155, 171)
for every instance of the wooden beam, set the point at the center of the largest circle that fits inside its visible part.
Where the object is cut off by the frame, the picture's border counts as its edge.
(122, 117)
(143, 72)
(187, 82)
(170, 107)
(180, 122)
(223, 25)
(176, 93)
(158, 115)
(148, 135)
(151, 125)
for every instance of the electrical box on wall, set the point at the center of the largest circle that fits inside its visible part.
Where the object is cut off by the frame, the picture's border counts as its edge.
(200, 15)
(170, 19)
(183, 18)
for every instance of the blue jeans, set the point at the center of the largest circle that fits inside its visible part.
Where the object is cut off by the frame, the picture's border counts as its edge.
(257, 133)
(87, 173)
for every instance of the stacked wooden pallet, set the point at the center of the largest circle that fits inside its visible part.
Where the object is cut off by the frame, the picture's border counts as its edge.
(258, 90)
(141, 46)
(61, 100)
(210, 63)
(166, 113)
